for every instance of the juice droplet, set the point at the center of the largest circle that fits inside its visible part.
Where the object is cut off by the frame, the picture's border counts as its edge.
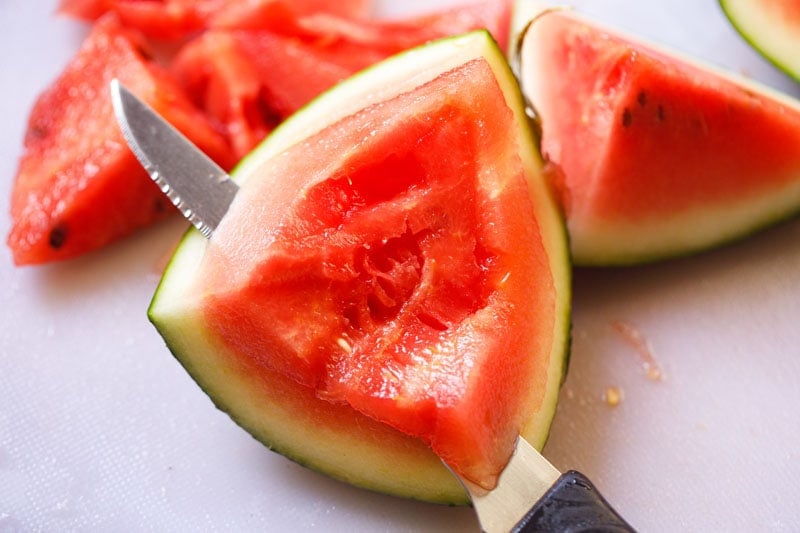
(612, 396)
(637, 341)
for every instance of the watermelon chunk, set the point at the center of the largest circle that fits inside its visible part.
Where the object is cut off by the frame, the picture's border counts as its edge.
(659, 155)
(328, 29)
(159, 19)
(78, 186)
(177, 19)
(276, 15)
(361, 280)
(253, 71)
(228, 86)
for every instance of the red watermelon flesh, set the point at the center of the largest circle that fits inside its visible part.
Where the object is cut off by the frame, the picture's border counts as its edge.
(659, 155)
(380, 292)
(176, 19)
(277, 15)
(327, 28)
(251, 74)
(78, 186)
(226, 84)
(392, 36)
(786, 10)
(160, 19)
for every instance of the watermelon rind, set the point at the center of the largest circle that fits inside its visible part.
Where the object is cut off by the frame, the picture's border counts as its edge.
(407, 468)
(624, 242)
(772, 34)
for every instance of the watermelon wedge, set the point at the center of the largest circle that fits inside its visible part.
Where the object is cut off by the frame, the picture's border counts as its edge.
(78, 186)
(367, 302)
(772, 27)
(659, 155)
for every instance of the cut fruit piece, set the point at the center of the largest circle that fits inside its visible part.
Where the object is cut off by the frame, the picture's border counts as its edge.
(160, 19)
(276, 15)
(392, 277)
(659, 156)
(78, 186)
(178, 19)
(772, 27)
(251, 71)
(389, 36)
(226, 84)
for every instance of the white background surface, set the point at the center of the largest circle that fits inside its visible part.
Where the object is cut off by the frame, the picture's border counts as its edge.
(101, 430)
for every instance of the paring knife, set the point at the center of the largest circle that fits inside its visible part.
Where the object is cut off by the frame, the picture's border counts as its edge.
(532, 495)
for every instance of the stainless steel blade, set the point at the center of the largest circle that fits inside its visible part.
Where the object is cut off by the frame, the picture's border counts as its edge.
(194, 183)
(526, 478)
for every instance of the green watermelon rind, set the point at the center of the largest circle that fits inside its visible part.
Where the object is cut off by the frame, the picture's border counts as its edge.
(706, 227)
(419, 474)
(685, 233)
(768, 35)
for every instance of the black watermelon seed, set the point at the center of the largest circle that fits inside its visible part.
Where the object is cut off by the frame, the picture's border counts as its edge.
(627, 117)
(58, 236)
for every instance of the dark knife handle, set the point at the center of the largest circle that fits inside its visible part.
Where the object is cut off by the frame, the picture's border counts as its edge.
(572, 505)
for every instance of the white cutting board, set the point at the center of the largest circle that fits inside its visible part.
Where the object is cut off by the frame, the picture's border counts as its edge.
(101, 430)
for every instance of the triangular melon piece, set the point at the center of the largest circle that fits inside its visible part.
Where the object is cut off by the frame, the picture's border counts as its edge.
(392, 279)
(659, 155)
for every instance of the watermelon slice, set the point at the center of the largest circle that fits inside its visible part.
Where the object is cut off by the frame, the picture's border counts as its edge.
(78, 186)
(772, 27)
(659, 156)
(367, 300)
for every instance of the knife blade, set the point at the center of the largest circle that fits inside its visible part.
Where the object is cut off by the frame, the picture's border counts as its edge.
(534, 496)
(193, 182)
(531, 495)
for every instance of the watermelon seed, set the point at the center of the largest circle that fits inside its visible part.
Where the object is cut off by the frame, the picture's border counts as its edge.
(144, 53)
(642, 98)
(627, 117)
(344, 345)
(661, 114)
(263, 109)
(159, 206)
(37, 131)
(58, 235)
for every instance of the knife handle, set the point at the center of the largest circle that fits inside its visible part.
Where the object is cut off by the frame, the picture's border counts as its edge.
(572, 505)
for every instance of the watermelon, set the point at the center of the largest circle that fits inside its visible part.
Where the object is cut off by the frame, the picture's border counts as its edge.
(368, 305)
(278, 14)
(227, 88)
(331, 30)
(78, 187)
(772, 27)
(251, 72)
(656, 155)
(171, 20)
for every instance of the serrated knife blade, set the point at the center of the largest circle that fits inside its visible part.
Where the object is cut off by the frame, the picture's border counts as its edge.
(531, 495)
(194, 183)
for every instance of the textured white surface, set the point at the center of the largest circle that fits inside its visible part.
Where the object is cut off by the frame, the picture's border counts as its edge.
(101, 430)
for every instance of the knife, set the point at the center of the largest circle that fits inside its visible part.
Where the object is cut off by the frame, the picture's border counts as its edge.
(531, 495)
